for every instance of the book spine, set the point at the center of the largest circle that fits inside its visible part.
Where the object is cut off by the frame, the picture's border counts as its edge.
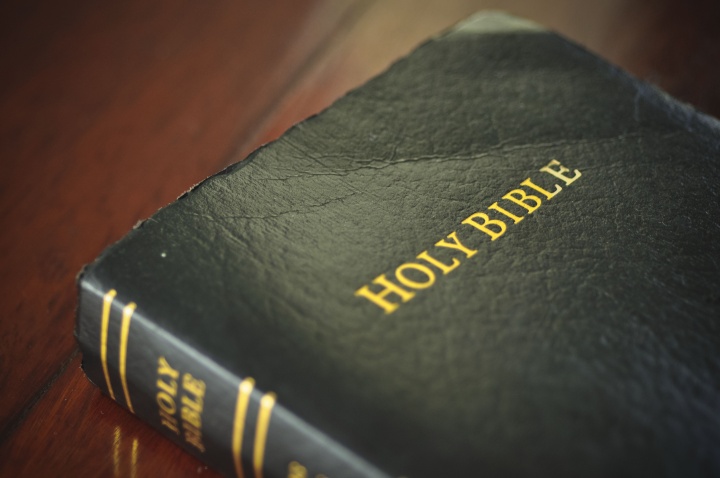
(223, 419)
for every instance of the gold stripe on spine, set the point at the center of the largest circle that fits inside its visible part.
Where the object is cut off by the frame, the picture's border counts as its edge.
(261, 431)
(124, 332)
(107, 304)
(243, 399)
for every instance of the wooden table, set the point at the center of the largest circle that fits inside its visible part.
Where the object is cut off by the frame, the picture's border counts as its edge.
(109, 110)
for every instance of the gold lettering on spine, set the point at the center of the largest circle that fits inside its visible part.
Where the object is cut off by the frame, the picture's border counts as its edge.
(560, 172)
(166, 403)
(261, 431)
(378, 298)
(426, 271)
(244, 390)
(192, 404)
(507, 213)
(456, 244)
(124, 332)
(528, 182)
(104, 325)
(445, 268)
(164, 368)
(296, 470)
(167, 391)
(494, 234)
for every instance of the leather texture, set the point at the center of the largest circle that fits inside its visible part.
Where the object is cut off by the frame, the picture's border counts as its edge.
(584, 342)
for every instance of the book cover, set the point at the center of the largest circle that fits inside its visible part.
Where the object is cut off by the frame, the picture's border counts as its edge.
(498, 258)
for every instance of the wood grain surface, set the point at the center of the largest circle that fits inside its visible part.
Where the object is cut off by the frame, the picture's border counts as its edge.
(109, 110)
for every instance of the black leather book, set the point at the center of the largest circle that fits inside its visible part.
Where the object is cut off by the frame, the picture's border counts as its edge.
(498, 258)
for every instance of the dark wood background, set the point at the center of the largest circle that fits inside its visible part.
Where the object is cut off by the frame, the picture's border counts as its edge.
(109, 110)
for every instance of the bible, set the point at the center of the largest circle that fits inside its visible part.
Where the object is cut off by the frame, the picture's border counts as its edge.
(499, 257)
